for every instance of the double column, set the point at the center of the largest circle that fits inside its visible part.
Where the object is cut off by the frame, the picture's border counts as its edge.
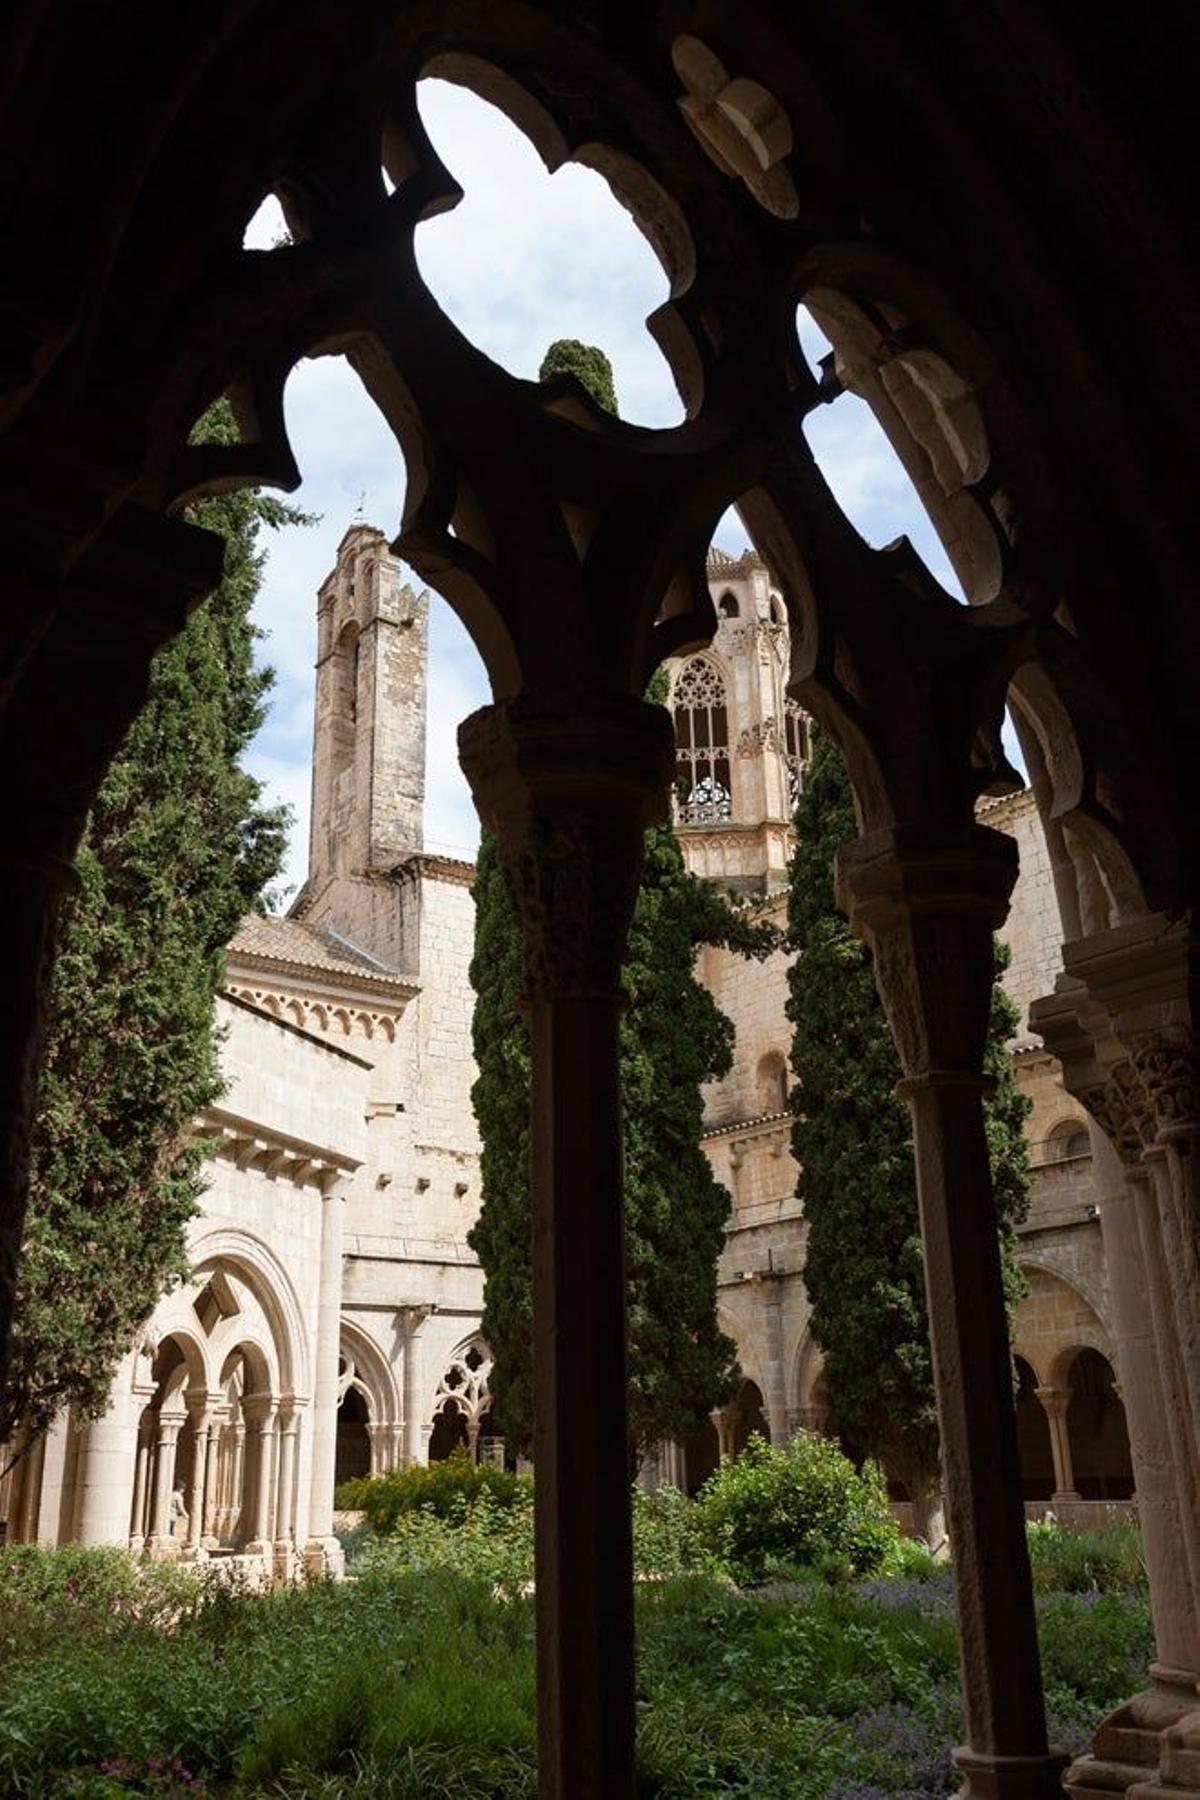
(928, 899)
(568, 791)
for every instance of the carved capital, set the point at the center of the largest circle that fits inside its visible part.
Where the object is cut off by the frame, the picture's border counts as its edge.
(569, 789)
(927, 900)
(1166, 1066)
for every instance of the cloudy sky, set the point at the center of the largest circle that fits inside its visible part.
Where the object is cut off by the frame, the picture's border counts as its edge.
(526, 257)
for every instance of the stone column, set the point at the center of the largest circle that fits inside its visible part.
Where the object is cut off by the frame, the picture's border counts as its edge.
(201, 1428)
(768, 1285)
(106, 1464)
(928, 899)
(1076, 1031)
(212, 1472)
(237, 1473)
(413, 1318)
(260, 1414)
(289, 1425)
(379, 1437)
(323, 1553)
(141, 1477)
(167, 1439)
(1055, 1404)
(724, 1425)
(568, 790)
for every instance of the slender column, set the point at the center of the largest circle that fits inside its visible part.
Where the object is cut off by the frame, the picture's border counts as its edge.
(141, 1476)
(261, 1415)
(378, 1437)
(201, 1429)
(395, 1446)
(164, 1481)
(237, 1476)
(413, 1318)
(1056, 1403)
(569, 790)
(289, 1425)
(212, 1471)
(323, 1552)
(722, 1419)
(769, 1287)
(928, 900)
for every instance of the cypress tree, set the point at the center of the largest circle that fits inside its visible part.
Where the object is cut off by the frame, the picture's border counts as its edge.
(177, 848)
(673, 1038)
(864, 1268)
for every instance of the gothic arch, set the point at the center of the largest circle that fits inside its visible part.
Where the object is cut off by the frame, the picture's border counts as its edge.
(370, 1369)
(463, 1386)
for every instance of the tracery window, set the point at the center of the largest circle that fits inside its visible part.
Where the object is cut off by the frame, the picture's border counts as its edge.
(796, 749)
(702, 745)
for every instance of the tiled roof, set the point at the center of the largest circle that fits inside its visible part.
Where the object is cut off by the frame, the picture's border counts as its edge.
(719, 562)
(308, 947)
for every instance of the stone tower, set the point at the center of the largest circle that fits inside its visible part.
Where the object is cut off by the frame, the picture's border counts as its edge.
(741, 744)
(368, 789)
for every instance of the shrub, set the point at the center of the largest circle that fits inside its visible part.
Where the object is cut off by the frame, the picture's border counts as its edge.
(447, 1489)
(804, 1506)
(89, 1595)
(486, 1541)
(666, 1540)
(1108, 1561)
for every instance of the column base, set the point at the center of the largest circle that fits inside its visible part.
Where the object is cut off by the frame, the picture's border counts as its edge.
(1178, 1776)
(1010, 1777)
(1128, 1746)
(324, 1559)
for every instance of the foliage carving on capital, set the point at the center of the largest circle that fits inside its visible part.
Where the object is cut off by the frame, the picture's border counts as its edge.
(927, 907)
(1117, 1105)
(1168, 1070)
(568, 792)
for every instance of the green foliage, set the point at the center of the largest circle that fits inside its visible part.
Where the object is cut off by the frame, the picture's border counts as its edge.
(864, 1268)
(804, 1506)
(445, 1489)
(420, 1683)
(177, 848)
(1110, 1560)
(673, 1039)
(588, 364)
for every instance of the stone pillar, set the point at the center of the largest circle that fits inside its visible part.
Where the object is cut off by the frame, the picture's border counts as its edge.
(769, 1287)
(212, 1472)
(141, 1478)
(413, 1318)
(322, 1552)
(928, 900)
(166, 1440)
(568, 790)
(725, 1426)
(260, 1414)
(107, 1457)
(237, 1475)
(201, 1429)
(379, 1437)
(285, 1498)
(1056, 1404)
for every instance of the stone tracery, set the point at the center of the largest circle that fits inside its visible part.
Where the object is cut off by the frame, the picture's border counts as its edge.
(912, 686)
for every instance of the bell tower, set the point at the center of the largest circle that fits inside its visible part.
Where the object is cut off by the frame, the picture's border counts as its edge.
(741, 745)
(369, 737)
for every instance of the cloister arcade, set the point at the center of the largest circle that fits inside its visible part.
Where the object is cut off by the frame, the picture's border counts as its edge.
(987, 211)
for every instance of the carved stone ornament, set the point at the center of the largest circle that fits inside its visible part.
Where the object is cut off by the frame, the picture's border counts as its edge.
(927, 900)
(569, 792)
(1117, 1107)
(1166, 1066)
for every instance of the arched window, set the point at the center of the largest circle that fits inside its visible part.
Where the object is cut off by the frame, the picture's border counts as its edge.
(1069, 1139)
(702, 744)
(728, 607)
